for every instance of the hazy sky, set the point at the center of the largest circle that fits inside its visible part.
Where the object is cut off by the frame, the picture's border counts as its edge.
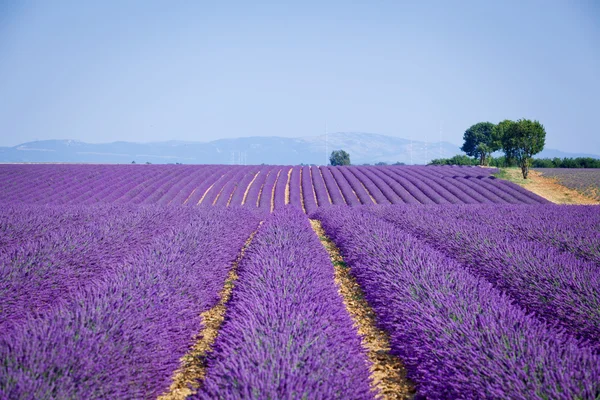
(101, 71)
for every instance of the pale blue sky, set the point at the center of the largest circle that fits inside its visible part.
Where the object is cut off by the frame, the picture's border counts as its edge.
(202, 70)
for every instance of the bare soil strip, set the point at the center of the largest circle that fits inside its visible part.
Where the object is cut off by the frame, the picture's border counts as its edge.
(273, 191)
(302, 193)
(388, 375)
(548, 188)
(261, 188)
(188, 378)
(208, 190)
(248, 188)
(312, 184)
(287, 187)
(188, 198)
(366, 190)
(219, 195)
(326, 189)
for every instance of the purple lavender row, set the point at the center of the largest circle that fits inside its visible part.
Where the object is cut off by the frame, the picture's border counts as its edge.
(287, 334)
(205, 187)
(332, 187)
(240, 189)
(475, 185)
(27, 180)
(67, 187)
(349, 196)
(358, 189)
(73, 246)
(281, 188)
(212, 191)
(267, 190)
(375, 186)
(433, 184)
(236, 185)
(252, 198)
(402, 195)
(181, 190)
(53, 186)
(500, 192)
(308, 194)
(464, 195)
(573, 229)
(416, 186)
(554, 285)
(138, 184)
(295, 188)
(320, 188)
(458, 336)
(167, 188)
(524, 192)
(154, 185)
(405, 184)
(224, 192)
(124, 337)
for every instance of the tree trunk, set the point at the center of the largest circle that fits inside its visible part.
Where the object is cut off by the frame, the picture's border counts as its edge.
(525, 168)
(482, 159)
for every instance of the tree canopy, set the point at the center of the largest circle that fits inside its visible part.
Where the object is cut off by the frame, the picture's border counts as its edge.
(481, 141)
(339, 157)
(521, 140)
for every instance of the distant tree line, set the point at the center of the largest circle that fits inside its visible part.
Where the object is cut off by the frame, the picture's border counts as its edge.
(500, 162)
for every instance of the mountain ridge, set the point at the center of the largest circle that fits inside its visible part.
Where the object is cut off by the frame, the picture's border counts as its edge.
(363, 148)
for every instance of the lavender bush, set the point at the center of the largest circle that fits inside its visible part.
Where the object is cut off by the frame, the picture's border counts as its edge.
(287, 334)
(458, 335)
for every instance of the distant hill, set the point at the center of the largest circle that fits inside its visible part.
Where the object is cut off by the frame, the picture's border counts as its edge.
(363, 148)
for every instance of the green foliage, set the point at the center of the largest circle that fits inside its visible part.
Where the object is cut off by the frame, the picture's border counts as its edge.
(521, 140)
(339, 157)
(459, 159)
(381, 163)
(556, 162)
(398, 163)
(481, 141)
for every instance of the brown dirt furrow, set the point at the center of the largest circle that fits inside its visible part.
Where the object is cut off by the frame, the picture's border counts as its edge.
(219, 195)
(312, 184)
(326, 189)
(302, 193)
(287, 187)
(260, 192)
(188, 198)
(188, 378)
(249, 186)
(366, 190)
(388, 375)
(273, 191)
(208, 190)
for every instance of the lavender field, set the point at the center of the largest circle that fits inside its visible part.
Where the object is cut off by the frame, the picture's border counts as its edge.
(585, 180)
(112, 278)
(264, 187)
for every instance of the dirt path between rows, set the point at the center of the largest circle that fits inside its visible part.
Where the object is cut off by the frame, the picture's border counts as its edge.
(188, 378)
(547, 188)
(388, 375)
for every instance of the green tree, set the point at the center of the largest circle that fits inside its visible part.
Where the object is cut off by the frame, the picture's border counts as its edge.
(499, 132)
(339, 157)
(522, 139)
(480, 141)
